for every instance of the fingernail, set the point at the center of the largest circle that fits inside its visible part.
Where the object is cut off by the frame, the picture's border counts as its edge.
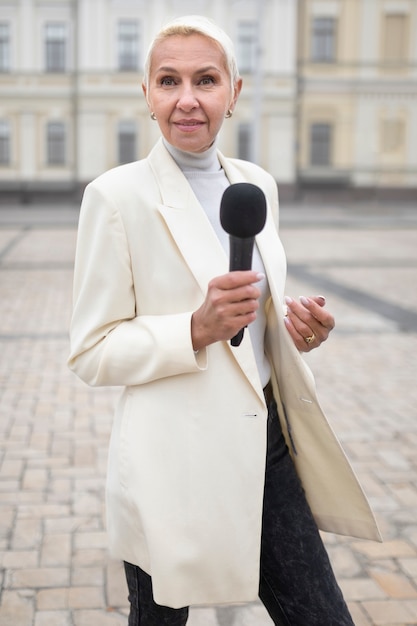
(260, 276)
(288, 300)
(304, 300)
(322, 298)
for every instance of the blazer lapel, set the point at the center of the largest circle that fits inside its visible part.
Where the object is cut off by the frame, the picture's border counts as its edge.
(196, 240)
(186, 220)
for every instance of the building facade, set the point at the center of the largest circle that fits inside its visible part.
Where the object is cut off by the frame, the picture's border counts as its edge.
(329, 97)
(71, 101)
(357, 96)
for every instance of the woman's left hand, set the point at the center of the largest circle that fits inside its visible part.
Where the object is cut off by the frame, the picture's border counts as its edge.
(308, 322)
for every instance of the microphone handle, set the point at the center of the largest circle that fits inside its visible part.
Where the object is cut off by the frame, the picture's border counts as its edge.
(240, 255)
(241, 250)
(236, 340)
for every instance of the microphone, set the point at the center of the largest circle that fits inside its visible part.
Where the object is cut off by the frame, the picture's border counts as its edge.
(242, 216)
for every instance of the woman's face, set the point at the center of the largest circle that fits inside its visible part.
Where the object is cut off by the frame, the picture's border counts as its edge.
(190, 90)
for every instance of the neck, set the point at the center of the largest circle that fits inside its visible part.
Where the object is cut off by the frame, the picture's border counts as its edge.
(207, 161)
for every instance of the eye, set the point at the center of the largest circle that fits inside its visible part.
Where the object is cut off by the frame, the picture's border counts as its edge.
(207, 80)
(167, 81)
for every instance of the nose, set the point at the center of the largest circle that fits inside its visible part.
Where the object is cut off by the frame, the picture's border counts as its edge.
(187, 100)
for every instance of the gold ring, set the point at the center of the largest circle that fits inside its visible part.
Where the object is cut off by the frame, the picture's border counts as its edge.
(310, 339)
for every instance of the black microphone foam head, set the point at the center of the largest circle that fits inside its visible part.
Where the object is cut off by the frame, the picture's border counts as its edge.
(243, 210)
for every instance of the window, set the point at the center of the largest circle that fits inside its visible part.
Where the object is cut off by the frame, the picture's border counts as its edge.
(323, 40)
(56, 143)
(127, 141)
(55, 47)
(4, 142)
(4, 47)
(320, 144)
(245, 142)
(128, 46)
(395, 41)
(247, 46)
(392, 136)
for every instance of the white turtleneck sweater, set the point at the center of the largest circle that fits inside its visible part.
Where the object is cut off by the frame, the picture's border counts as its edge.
(208, 182)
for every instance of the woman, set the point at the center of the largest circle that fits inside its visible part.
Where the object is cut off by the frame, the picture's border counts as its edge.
(203, 501)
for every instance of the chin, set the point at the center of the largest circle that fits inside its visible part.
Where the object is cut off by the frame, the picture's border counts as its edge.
(191, 144)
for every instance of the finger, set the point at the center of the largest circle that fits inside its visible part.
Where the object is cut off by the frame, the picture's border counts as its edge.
(317, 311)
(299, 340)
(309, 321)
(320, 300)
(235, 279)
(304, 330)
(300, 313)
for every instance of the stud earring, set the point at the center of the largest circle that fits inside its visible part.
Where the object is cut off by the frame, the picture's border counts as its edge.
(229, 113)
(153, 116)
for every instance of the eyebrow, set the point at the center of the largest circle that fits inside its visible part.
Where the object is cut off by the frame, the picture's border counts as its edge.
(203, 70)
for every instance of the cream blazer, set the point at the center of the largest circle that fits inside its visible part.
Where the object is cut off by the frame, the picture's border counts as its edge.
(187, 451)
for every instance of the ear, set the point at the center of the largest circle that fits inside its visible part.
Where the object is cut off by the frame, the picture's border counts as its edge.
(145, 92)
(236, 92)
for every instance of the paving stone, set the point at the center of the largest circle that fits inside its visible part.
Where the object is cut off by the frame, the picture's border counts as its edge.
(101, 617)
(26, 534)
(394, 548)
(70, 524)
(344, 561)
(89, 540)
(9, 486)
(360, 589)
(53, 618)
(89, 557)
(36, 578)
(412, 606)
(393, 584)
(85, 597)
(116, 588)
(358, 614)
(35, 479)
(15, 559)
(12, 468)
(54, 429)
(88, 576)
(16, 609)
(21, 497)
(409, 566)
(6, 519)
(388, 612)
(56, 550)
(202, 617)
(52, 599)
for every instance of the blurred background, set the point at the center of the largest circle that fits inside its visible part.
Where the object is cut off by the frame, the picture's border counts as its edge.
(329, 101)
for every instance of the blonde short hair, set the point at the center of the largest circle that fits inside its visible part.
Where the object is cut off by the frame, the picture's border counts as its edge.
(191, 25)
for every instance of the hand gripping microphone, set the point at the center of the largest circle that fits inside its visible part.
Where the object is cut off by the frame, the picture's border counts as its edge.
(242, 216)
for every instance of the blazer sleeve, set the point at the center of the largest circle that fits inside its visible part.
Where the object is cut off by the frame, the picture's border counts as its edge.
(110, 343)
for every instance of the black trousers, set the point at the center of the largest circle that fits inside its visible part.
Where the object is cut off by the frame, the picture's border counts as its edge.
(297, 583)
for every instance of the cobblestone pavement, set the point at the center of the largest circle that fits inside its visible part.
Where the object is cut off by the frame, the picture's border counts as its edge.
(54, 567)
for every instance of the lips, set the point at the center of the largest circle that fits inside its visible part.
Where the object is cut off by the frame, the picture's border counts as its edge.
(189, 124)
